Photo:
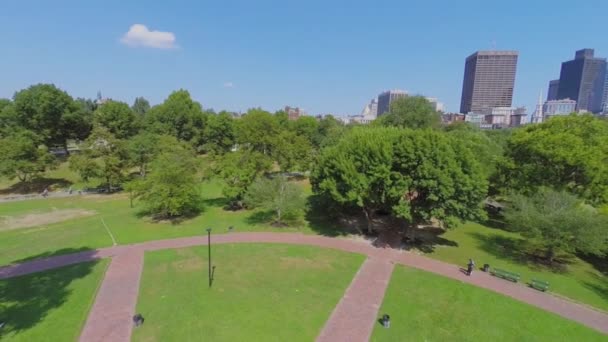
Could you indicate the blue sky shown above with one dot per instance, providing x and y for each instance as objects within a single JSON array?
[{"x": 324, "y": 56}]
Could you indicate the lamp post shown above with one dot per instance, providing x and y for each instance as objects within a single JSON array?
[{"x": 209, "y": 249}]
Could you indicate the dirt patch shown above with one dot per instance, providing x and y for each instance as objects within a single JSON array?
[
  {"x": 302, "y": 263},
  {"x": 38, "y": 219}
]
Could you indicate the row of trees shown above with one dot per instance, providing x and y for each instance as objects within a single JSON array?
[{"x": 406, "y": 165}]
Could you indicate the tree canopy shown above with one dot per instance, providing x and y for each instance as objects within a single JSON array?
[
  {"x": 558, "y": 223},
  {"x": 23, "y": 157},
  {"x": 178, "y": 116},
  {"x": 140, "y": 106},
  {"x": 171, "y": 188},
  {"x": 284, "y": 199},
  {"x": 43, "y": 109},
  {"x": 417, "y": 176},
  {"x": 569, "y": 153},
  {"x": 257, "y": 130},
  {"x": 117, "y": 118},
  {"x": 411, "y": 112}
]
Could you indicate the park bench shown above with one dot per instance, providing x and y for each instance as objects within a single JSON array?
[
  {"x": 497, "y": 272},
  {"x": 540, "y": 285}
]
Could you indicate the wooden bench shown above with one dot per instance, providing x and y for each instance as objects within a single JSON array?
[
  {"x": 497, "y": 272},
  {"x": 540, "y": 285}
]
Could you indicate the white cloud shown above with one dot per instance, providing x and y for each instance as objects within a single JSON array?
[
  {"x": 140, "y": 36},
  {"x": 228, "y": 85}
]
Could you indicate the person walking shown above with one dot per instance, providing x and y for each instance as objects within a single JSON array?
[{"x": 470, "y": 267}]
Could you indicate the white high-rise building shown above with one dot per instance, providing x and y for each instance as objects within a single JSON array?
[
  {"x": 538, "y": 116},
  {"x": 438, "y": 106}
]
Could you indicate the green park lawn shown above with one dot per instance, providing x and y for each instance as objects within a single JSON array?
[
  {"x": 428, "y": 307},
  {"x": 580, "y": 280},
  {"x": 51, "y": 305},
  {"x": 261, "y": 292},
  {"x": 124, "y": 222}
]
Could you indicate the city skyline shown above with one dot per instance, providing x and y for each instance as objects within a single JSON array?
[{"x": 135, "y": 50}]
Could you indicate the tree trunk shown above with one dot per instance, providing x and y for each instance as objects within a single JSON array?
[
  {"x": 65, "y": 147},
  {"x": 550, "y": 255},
  {"x": 368, "y": 217}
]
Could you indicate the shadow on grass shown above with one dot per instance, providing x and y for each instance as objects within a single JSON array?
[
  {"x": 600, "y": 286},
  {"x": 218, "y": 202},
  {"x": 429, "y": 238},
  {"x": 321, "y": 218},
  {"x": 517, "y": 250},
  {"x": 26, "y": 300},
  {"x": 36, "y": 185},
  {"x": 57, "y": 252},
  {"x": 260, "y": 217}
]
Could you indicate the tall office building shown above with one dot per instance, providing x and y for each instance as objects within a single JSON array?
[
  {"x": 582, "y": 79},
  {"x": 606, "y": 93},
  {"x": 553, "y": 87},
  {"x": 489, "y": 79},
  {"x": 386, "y": 98}
]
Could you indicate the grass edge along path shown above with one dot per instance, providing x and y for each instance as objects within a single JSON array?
[
  {"x": 425, "y": 306},
  {"x": 49, "y": 305}
]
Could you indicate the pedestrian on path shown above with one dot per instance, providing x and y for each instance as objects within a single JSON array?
[{"x": 470, "y": 267}]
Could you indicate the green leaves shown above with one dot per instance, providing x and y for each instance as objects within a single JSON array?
[
  {"x": 413, "y": 112},
  {"x": 22, "y": 156},
  {"x": 558, "y": 222},
  {"x": 172, "y": 187},
  {"x": 569, "y": 153},
  {"x": 414, "y": 175},
  {"x": 117, "y": 118},
  {"x": 285, "y": 199}
]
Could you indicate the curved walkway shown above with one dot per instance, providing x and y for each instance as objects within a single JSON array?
[{"x": 576, "y": 312}]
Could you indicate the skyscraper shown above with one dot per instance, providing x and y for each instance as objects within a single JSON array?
[
  {"x": 582, "y": 79},
  {"x": 606, "y": 93},
  {"x": 386, "y": 98},
  {"x": 489, "y": 79},
  {"x": 553, "y": 87}
]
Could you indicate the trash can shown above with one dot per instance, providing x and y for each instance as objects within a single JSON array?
[
  {"x": 386, "y": 321},
  {"x": 486, "y": 267}
]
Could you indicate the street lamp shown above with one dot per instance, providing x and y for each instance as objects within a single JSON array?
[{"x": 209, "y": 249}]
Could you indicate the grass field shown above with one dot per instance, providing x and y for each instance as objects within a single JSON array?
[
  {"x": 261, "y": 292},
  {"x": 428, "y": 307},
  {"x": 579, "y": 281},
  {"x": 51, "y": 305},
  {"x": 123, "y": 222}
]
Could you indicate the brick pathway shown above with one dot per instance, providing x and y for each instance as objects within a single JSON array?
[
  {"x": 354, "y": 317},
  {"x": 110, "y": 318},
  {"x": 565, "y": 308}
]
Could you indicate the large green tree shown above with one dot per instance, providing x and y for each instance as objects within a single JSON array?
[
  {"x": 569, "y": 153},
  {"x": 102, "y": 155},
  {"x": 178, "y": 116},
  {"x": 437, "y": 179},
  {"x": 140, "y": 106},
  {"x": 284, "y": 199},
  {"x": 558, "y": 223},
  {"x": 117, "y": 118},
  {"x": 411, "y": 112},
  {"x": 171, "y": 189},
  {"x": 418, "y": 176},
  {"x": 257, "y": 130},
  {"x": 44, "y": 109},
  {"x": 328, "y": 132},
  {"x": 238, "y": 170},
  {"x": 23, "y": 157},
  {"x": 356, "y": 172},
  {"x": 293, "y": 152},
  {"x": 219, "y": 134}
]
